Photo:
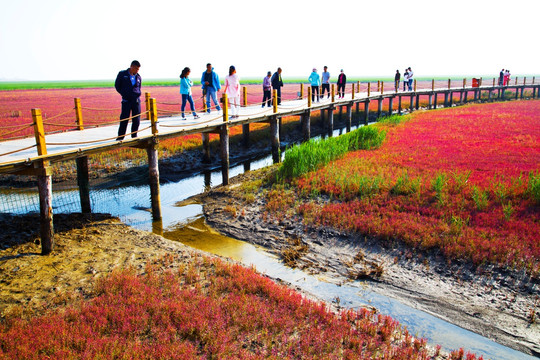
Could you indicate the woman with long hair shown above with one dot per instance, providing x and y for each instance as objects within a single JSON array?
[
  {"x": 232, "y": 89},
  {"x": 185, "y": 91}
]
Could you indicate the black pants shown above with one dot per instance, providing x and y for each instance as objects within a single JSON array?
[
  {"x": 132, "y": 107},
  {"x": 278, "y": 91},
  {"x": 314, "y": 89},
  {"x": 267, "y": 97},
  {"x": 341, "y": 90},
  {"x": 325, "y": 87}
]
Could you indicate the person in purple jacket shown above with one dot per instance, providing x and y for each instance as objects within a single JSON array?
[
  {"x": 267, "y": 90},
  {"x": 128, "y": 84}
]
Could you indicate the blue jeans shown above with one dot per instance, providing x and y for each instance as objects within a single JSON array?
[
  {"x": 410, "y": 84},
  {"x": 186, "y": 97},
  {"x": 211, "y": 92}
]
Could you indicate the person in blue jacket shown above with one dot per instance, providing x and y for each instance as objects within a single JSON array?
[
  {"x": 128, "y": 84},
  {"x": 185, "y": 91},
  {"x": 315, "y": 81},
  {"x": 210, "y": 86}
]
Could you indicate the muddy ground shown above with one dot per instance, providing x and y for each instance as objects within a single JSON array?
[{"x": 493, "y": 302}]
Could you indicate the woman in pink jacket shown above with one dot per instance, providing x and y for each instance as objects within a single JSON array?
[{"x": 232, "y": 89}]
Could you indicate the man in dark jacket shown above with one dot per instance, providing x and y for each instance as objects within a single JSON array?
[
  {"x": 341, "y": 82},
  {"x": 128, "y": 84},
  {"x": 277, "y": 83}
]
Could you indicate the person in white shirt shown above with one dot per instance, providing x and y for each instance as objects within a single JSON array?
[
  {"x": 411, "y": 74},
  {"x": 232, "y": 89},
  {"x": 405, "y": 79}
]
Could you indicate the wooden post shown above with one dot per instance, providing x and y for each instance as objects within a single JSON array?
[
  {"x": 414, "y": 85},
  {"x": 274, "y": 133},
  {"x": 274, "y": 102},
  {"x": 524, "y": 80},
  {"x": 245, "y": 127},
  {"x": 44, "y": 187},
  {"x": 465, "y": 96},
  {"x": 378, "y": 85},
  {"x": 446, "y": 99},
  {"x": 432, "y": 84},
  {"x": 352, "y": 93},
  {"x": 417, "y": 105},
  {"x": 366, "y": 110},
  {"x": 244, "y": 93},
  {"x": 153, "y": 174},
  {"x": 382, "y": 87},
  {"x": 516, "y": 80},
  {"x": 464, "y": 83},
  {"x": 358, "y": 86},
  {"x": 489, "y": 95},
  {"x": 435, "y": 100},
  {"x": 205, "y": 107},
  {"x": 153, "y": 116},
  {"x": 461, "y": 96},
  {"x": 451, "y": 98},
  {"x": 83, "y": 183},
  {"x": 306, "y": 125},
  {"x": 330, "y": 123},
  {"x": 480, "y": 82},
  {"x": 147, "y": 104},
  {"x": 349, "y": 116},
  {"x": 78, "y": 114},
  {"x": 301, "y": 91},
  {"x": 224, "y": 147},
  {"x": 517, "y": 91},
  {"x": 333, "y": 93},
  {"x": 493, "y": 82},
  {"x": 226, "y": 109},
  {"x": 379, "y": 106},
  {"x": 308, "y": 96},
  {"x": 411, "y": 104},
  {"x": 368, "y": 88},
  {"x": 449, "y": 83},
  {"x": 390, "y": 105},
  {"x": 399, "y": 105},
  {"x": 206, "y": 147},
  {"x": 430, "y": 101}
]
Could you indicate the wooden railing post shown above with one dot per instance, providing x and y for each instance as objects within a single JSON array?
[
  {"x": 382, "y": 87},
  {"x": 333, "y": 93},
  {"x": 378, "y": 85},
  {"x": 274, "y": 103},
  {"x": 480, "y": 82},
  {"x": 516, "y": 80},
  {"x": 493, "y": 82},
  {"x": 432, "y": 84},
  {"x": 308, "y": 96},
  {"x": 147, "y": 103},
  {"x": 78, "y": 114},
  {"x": 352, "y": 92},
  {"x": 153, "y": 115},
  {"x": 245, "y": 127},
  {"x": 358, "y": 86},
  {"x": 44, "y": 187},
  {"x": 449, "y": 83},
  {"x": 464, "y": 83},
  {"x": 225, "y": 108},
  {"x": 301, "y": 91},
  {"x": 414, "y": 85},
  {"x": 368, "y": 88},
  {"x": 244, "y": 93},
  {"x": 524, "y": 80}
]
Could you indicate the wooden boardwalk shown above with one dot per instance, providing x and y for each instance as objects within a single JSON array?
[{"x": 33, "y": 156}]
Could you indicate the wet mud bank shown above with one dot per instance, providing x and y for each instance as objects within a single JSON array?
[{"x": 499, "y": 304}]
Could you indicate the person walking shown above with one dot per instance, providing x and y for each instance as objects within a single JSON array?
[
  {"x": 341, "y": 82},
  {"x": 267, "y": 90},
  {"x": 277, "y": 84},
  {"x": 128, "y": 84},
  {"x": 501, "y": 77},
  {"x": 325, "y": 82},
  {"x": 232, "y": 89},
  {"x": 210, "y": 86},
  {"x": 315, "y": 81},
  {"x": 185, "y": 91},
  {"x": 397, "y": 78},
  {"x": 506, "y": 80},
  {"x": 411, "y": 78},
  {"x": 405, "y": 79}
]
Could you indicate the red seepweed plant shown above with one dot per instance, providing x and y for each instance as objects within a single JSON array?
[{"x": 460, "y": 180}]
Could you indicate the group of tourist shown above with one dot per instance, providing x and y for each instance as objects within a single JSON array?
[
  {"x": 504, "y": 77},
  {"x": 408, "y": 79},
  {"x": 323, "y": 81}
]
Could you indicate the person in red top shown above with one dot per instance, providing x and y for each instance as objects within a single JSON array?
[{"x": 341, "y": 81}]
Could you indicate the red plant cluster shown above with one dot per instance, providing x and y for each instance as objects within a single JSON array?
[
  {"x": 206, "y": 310},
  {"x": 454, "y": 179}
]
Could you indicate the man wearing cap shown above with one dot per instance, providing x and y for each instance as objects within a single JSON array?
[
  {"x": 267, "y": 90},
  {"x": 341, "y": 81},
  {"x": 325, "y": 82},
  {"x": 315, "y": 81},
  {"x": 128, "y": 84}
]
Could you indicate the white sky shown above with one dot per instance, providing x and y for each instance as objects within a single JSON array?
[{"x": 94, "y": 39}]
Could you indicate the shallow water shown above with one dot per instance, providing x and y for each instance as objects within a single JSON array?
[{"x": 185, "y": 223}]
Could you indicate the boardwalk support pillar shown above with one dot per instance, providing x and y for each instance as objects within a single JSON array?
[
  {"x": 349, "y": 117},
  {"x": 399, "y": 105},
  {"x": 379, "y": 106},
  {"x": 274, "y": 132},
  {"x": 224, "y": 140},
  {"x": 83, "y": 183},
  {"x": 330, "y": 123},
  {"x": 245, "y": 127},
  {"x": 430, "y": 101},
  {"x": 366, "y": 112},
  {"x": 411, "y": 105},
  {"x": 44, "y": 187},
  {"x": 390, "y": 105},
  {"x": 153, "y": 163},
  {"x": 306, "y": 125},
  {"x": 206, "y": 147}
]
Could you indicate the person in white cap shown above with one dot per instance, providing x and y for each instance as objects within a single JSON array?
[
  {"x": 315, "y": 81},
  {"x": 341, "y": 81}
]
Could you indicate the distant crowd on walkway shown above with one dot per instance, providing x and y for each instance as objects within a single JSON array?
[{"x": 128, "y": 85}]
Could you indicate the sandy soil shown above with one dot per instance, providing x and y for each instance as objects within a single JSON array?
[{"x": 492, "y": 302}]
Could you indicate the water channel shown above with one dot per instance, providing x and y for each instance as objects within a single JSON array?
[{"x": 185, "y": 223}]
